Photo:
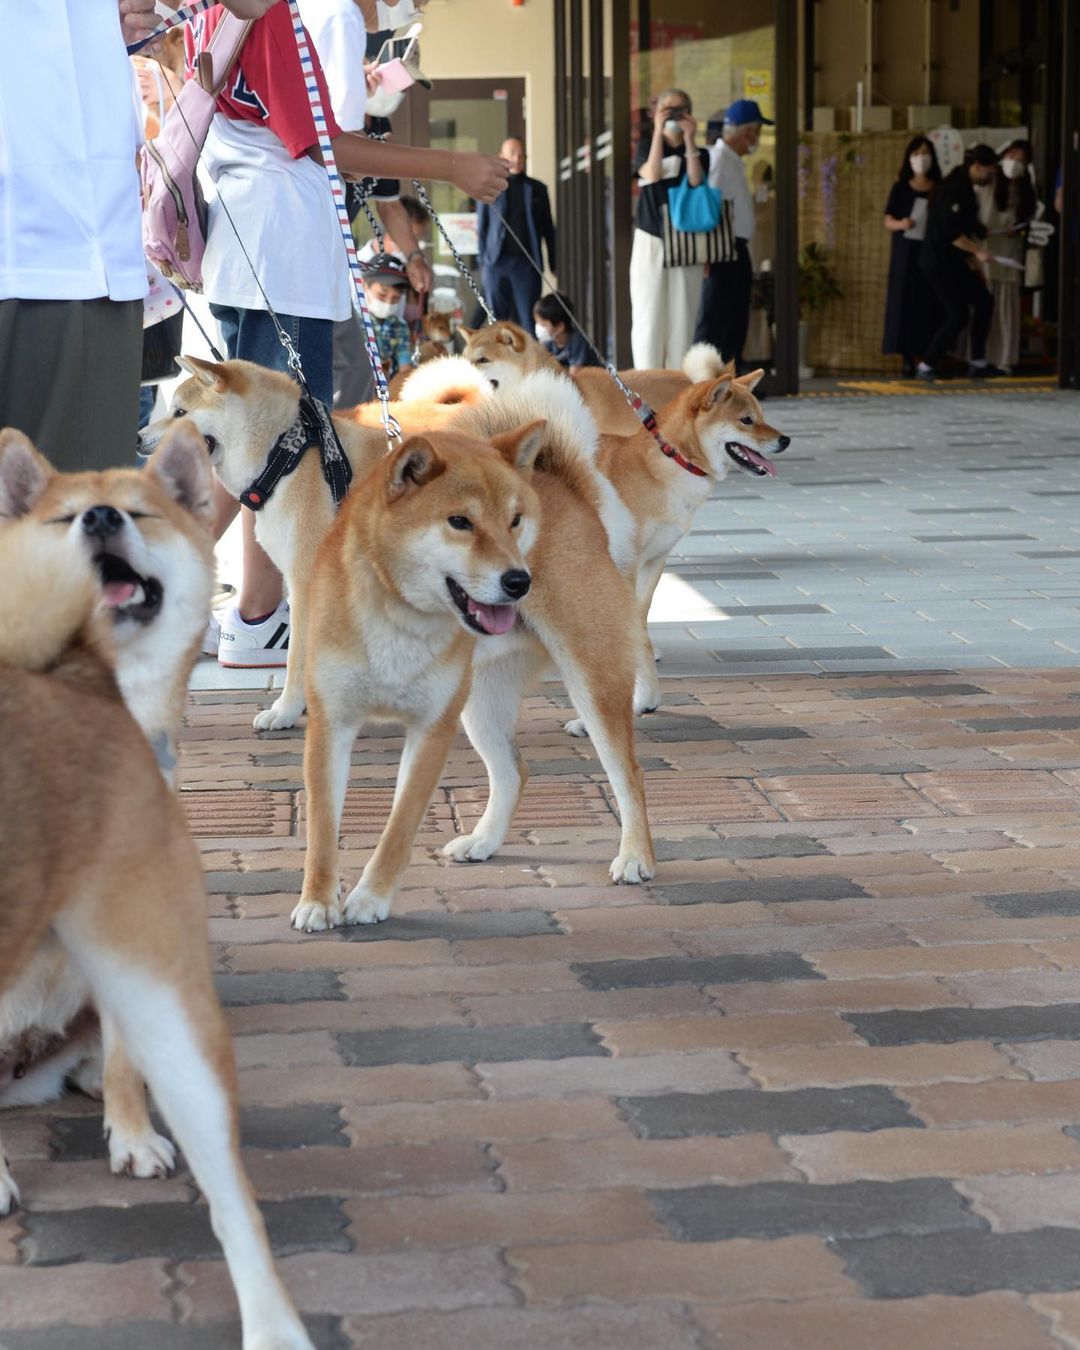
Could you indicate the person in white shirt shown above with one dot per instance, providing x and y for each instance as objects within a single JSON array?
[
  {"x": 72, "y": 275},
  {"x": 724, "y": 310}
]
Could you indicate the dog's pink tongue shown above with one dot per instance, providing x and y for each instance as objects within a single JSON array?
[
  {"x": 118, "y": 592},
  {"x": 760, "y": 461},
  {"x": 492, "y": 618}
]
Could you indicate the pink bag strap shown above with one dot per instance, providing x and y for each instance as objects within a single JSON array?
[{"x": 222, "y": 52}]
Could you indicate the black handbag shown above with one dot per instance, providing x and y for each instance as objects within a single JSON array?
[{"x": 160, "y": 348}]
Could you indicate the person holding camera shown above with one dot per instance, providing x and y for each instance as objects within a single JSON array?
[{"x": 664, "y": 296}]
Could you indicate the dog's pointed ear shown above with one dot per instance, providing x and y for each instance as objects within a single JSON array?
[
  {"x": 717, "y": 391},
  {"x": 751, "y": 381},
  {"x": 214, "y": 374},
  {"x": 416, "y": 463},
  {"x": 181, "y": 465},
  {"x": 467, "y": 333},
  {"x": 521, "y": 446},
  {"x": 25, "y": 473}
]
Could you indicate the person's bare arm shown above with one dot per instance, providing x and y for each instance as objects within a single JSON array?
[
  {"x": 695, "y": 174},
  {"x": 396, "y": 222},
  {"x": 480, "y": 176},
  {"x": 896, "y": 224},
  {"x": 651, "y": 171},
  {"x": 975, "y": 247}
]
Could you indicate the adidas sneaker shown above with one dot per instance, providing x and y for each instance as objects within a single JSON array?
[{"x": 254, "y": 645}]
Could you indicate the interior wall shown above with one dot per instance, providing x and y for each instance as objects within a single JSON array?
[
  {"x": 491, "y": 38},
  {"x": 899, "y": 47}
]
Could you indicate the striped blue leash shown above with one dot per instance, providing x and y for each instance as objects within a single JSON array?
[{"x": 337, "y": 189}]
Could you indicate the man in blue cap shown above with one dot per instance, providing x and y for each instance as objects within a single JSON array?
[{"x": 724, "y": 311}]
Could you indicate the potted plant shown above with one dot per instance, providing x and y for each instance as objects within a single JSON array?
[{"x": 817, "y": 287}]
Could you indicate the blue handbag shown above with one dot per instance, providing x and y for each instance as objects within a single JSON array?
[{"x": 694, "y": 210}]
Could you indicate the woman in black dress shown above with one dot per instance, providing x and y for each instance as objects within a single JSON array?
[{"x": 911, "y": 308}]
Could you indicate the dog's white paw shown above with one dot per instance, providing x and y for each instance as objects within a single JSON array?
[
  {"x": 313, "y": 916},
  {"x": 141, "y": 1155},
  {"x": 630, "y": 870},
  {"x": 278, "y": 717},
  {"x": 364, "y": 907},
  {"x": 87, "y": 1077},
  {"x": 9, "y": 1192},
  {"x": 647, "y": 703},
  {"x": 576, "y": 727},
  {"x": 475, "y": 847},
  {"x": 657, "y": 654}
]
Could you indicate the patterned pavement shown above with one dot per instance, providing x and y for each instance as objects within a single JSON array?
[{"x": 816, "y": 1086}]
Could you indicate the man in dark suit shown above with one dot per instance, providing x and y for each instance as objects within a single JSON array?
[{"x": 512, "y": 286}]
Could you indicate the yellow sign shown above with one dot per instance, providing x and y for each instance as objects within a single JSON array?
[{"x": 757, "y": 83}]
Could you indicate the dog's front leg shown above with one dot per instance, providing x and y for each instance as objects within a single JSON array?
[
  {"x": 178, "y": 1039},
  {"x": 422, "y": 763},
  {"x": 490, "y": 719},
  {"x": 135, "y": 1147},
  {"x": 327, "y": 753},
  {"x": 287, "y": 709}
]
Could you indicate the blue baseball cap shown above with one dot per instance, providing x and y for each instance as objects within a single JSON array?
[{"x": 744, "y": 111}]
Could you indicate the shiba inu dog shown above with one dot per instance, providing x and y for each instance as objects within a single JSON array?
[
  {"x": 427, "y": 556},
  {"x": 146, "y": 533},
  {"x": 580, "y": 612},
  {"x": 504, "y": 353},
  {"x": 707, "y": 427},
  {"x": 99, "y": 862},
  {"x": 242, "y": 410}
]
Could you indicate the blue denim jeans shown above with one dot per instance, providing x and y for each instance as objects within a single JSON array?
[{"x": 250, "y": 335}]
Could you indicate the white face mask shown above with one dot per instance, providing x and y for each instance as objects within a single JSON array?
[
  {"x": 382, "y": 309},
  {"x": 543, "y": 333},
  {"x": 1013, "y": 168},
  {"x": 920, "y": 164},
  {"x": 397, "y": 16}
]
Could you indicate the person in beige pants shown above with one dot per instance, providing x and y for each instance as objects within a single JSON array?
[{"x": 664, "y": 300}]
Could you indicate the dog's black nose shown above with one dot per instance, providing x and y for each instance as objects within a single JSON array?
[
  {"x": 102, "y": 521},
  {"x": 516, "y": 582},
  {"x": 783, "y": 442}
]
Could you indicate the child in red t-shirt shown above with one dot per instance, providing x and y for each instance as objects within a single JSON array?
[{"x": 274, "y": 238}]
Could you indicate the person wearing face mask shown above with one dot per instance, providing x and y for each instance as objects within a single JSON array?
[
  {"x": 952, "y": 245},
  {"x": 1006, "y": 206},
  {"x": 724, "y": 311},
  {"x": 555, "y": 331},
  {"x": 511, "y": 281},
  {"x": 385, "y": 284},
  {"x": 664, "y": 300},
  {"x": 912, "y": 313}
]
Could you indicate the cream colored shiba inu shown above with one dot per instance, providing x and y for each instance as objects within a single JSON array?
[
  {"x": 146, "y": 532},
  {"x": 504, "y": 354},
  {"x": 242, "y": 409},
  {"x": 98, "y": 862}
]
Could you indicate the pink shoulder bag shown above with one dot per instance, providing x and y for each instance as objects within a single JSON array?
[{"x": 174, "y": 210}]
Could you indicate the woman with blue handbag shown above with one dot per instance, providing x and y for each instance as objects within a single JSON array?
[{"x": 666, "y": 261}]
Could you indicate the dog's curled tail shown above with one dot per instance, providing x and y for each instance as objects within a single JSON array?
[
  {"x": 445, "y": 379},
  {"x": 704, "y": 362},
  {"x": 50, "y": 596}
]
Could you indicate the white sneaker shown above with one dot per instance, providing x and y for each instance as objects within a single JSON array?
[
  {"x": 254, "y": 644},
  {"x": 211, "y": 638}
]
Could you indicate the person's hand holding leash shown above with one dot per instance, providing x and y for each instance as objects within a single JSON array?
[
  {"x": 483, "y": 177},
  {"x": 138, "y": 19},
  {"x": 421, "y": 277}
]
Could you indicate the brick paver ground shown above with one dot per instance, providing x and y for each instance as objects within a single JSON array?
[{"x": 816, "y": 1086}]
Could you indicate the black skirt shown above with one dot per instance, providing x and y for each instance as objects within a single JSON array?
[{"x": 912, "y": 312}]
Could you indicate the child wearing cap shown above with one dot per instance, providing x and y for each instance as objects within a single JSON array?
[{"x": 385, "y": 285}]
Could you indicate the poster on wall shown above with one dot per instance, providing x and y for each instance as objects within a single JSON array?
[{"x": 461, "y": 228}]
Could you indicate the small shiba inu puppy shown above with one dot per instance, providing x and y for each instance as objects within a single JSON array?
[
  {"x": 99, "y": 862},
  {"x": 147, "y": 537}
]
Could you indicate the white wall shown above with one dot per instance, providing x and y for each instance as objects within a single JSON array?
[{"x": 491, "y": 39}]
